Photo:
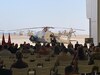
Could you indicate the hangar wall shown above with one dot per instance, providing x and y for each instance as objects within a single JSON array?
[
  {"x": 92, "y": 15},
  {"x": 98, "y": 19}
]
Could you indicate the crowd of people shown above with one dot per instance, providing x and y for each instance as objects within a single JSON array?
[{"x": 77, "y": 52}]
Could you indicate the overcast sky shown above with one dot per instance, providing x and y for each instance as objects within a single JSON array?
[{"x": 16, "y": 14}]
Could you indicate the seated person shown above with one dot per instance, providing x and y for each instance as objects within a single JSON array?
[
  {"x": 62, "y": 57},
  {"x": 96, "y": 53},
  {"x": 5, "y": 52},
  {"x": 69, "y": 70},
  {"x": 44, "y": 50},
  {"x": 1, "y": 63},
  {"x": 4, "y": 71},
  {"x": 19, "y": 63},
  {"x": 95, "y": 70}
]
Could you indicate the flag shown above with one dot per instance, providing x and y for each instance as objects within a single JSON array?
[
  {"x": 3, "y": 40},
  {"x": 9, "y": 39}
]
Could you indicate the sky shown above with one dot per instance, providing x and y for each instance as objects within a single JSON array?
[{"x": 17, "y": 14}]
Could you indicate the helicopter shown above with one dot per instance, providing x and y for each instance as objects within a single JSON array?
[
  {"x": 45, "y": 35},
  {"x": 42, "y": 36},
  {"x": 66, "y": 35}
]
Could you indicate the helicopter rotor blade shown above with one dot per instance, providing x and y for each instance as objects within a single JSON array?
[
  {"x": 69, "y": 28},
  {"x": 31, "y": 28}
]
